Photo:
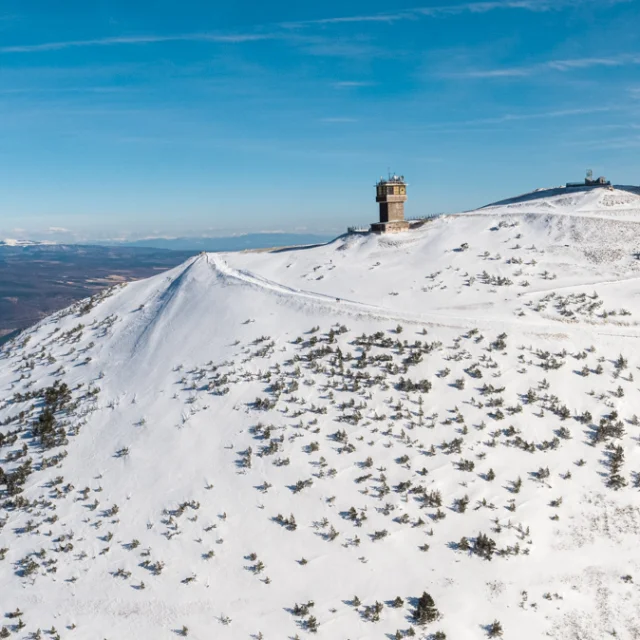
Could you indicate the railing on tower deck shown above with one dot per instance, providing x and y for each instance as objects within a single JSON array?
[
  {"x": 418, "y": 219},
  {"x": 429, "y": 216}
]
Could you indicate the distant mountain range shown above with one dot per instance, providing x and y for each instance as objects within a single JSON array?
[
  {"x": 228, "y": 243},
  {"x": 224, "y": 243},
  {"x": 10, "y": 242}
]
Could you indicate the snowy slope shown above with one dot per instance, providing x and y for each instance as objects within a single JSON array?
[
  {"x": 211, "y": 403},
  {"x": 615, "y": 202},
  {"x": 427, "y": 272}
]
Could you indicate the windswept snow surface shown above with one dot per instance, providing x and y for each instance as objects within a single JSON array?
[
  {"x": 445, "y": 410},
  {"x": 617, "y": 202}
]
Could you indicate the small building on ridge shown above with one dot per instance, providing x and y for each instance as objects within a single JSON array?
[{"x": 590, "y": 181}]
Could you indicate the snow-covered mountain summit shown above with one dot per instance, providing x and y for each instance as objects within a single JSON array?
[
  {"x": 618, "y": 201},
  {"x": 304, "y": 442}
]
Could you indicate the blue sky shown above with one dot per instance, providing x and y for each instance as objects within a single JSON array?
[{"x": 122, "y": 118}]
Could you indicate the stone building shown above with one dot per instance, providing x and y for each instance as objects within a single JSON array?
[
  {"x": 590, "y": 181},
  {"x": 391, "y": 194}
]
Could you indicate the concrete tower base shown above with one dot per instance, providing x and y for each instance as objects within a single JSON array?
[{"x": 390, "y": 227}]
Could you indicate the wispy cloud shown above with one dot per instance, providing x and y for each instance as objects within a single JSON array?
[
  {"x": 513, "y": 72},
  {"x": 338, "y": 120},
  {"x": 352, "y": 84},
  {"x": 279, "y": 30},
  {"x": 236, "y": 38},
  {"x": 544, "y": 115},
  {"x": 457, "y": 9},
  {"x": 561, "y": 65},
  {"x": 338, "y": 47},
  {"x": 626, "y": 142},
  {"x": 520, "y": 117},
  {"x": 59, "y": 90}
]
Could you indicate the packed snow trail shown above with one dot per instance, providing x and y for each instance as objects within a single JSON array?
[{"x": 352, "y": 307}]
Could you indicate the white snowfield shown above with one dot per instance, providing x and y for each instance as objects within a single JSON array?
[
  {"x": 10, "y": 242},
  {"x": 300, "y": 443}
]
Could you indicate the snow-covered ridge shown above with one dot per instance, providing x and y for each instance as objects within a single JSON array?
[
  {"x": 618, "y": 201},
  {"x": 10, "y": 242},
  {"x": 303, "y": 442}
]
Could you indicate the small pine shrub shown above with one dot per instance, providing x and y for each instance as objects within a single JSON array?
[
  {"x": 495, "y": 630},
  {"x": 425, "y": 610}
]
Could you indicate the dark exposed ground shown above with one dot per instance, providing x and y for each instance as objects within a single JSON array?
[{"x": 38, "y": 280}]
